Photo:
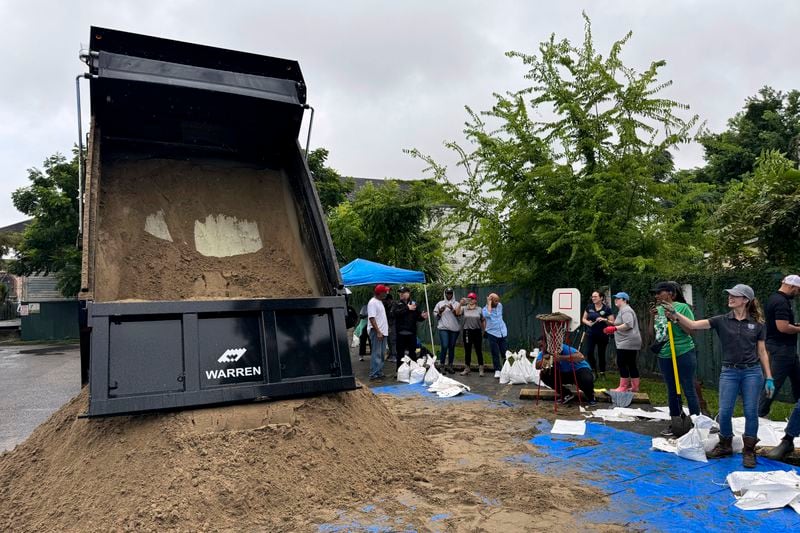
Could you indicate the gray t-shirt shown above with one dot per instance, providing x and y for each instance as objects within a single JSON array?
[
  {"x": 446, "y": 317},
  {"x": 472, "y": 317},
  {"x": 630, "y": 339}
]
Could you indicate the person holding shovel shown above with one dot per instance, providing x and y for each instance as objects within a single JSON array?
[
  {"x": 685, "y": 355},
  {"x": 745, "y": 362}
]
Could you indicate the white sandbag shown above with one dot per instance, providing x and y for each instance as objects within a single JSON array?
[
  {"x": 404, "y": 372},
  {"x": 528, "y": 369},
  {"x": 711, "y": 442},
  {"x": 765, "y": 490},
  {"x": 417, "y": 375},
  {"x": 516, "y": 375},
  {"x": 703, "y": 422},
  {"x": 505, "y": 372},
  {"x": 690, "y": 446},
  {"x": 450, "y": 392},
  {"x": 444, "y": 383},
  {"x": 432, "y": 374}
]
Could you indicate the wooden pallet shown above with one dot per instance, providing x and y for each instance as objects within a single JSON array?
[{"x": 549, "y": 394}]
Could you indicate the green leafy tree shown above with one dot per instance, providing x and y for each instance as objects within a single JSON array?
[
  {"x": 332, "y": 188},
  {"x": 392, "y": 225},
  {"x": 770, "y": 120},
  {"x": 757, "y": 222},
  {"x": 8, "y": 241},
  {"x": 575, "y": 170},
  {"x": 49, "y": 243}
]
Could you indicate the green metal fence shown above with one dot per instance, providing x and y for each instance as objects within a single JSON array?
[
  {"x": 520, "y": 308},
  {"x": 8, "y": 310}
]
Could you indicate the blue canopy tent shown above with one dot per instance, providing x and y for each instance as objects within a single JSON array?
[{"x": 363, "y": 272}]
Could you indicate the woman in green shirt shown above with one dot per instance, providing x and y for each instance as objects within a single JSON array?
[{"x": 685, "y": 353}]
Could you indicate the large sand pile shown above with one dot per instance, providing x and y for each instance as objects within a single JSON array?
[
  {"x": 181, "y": 230},
  {"x": 265, "y": 466}
]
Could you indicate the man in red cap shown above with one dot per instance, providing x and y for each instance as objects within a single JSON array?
[{"x": 378, "y": 330}]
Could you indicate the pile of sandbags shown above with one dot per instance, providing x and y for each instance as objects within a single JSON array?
[
  {"x": 423, "y": 370},
  {"x": 519, "y": 370}
]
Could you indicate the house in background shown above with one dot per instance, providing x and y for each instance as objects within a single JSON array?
[
  {"x": 35, "y": 305},
  {"x": 457, "y": 257}
]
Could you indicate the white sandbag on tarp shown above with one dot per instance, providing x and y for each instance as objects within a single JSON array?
[
  {"x": 432, "y": 374},
  {"x": 569, "y": 427},
  {"x": 445, "y": 383},
  {"x": 417, "y": 374},
  {"x": 765, "y": 490},
  {"x": 505, "y": 372},
  {"x": 690, "y": 446},
  {"x": 404, "y": 372}
]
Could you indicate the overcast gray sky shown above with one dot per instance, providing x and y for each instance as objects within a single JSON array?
[{"x": 384, "y": 76}]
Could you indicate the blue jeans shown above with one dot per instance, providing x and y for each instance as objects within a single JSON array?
[
  {"x": 747, "y": 381},
  {"x": 498, "y": 347},
  {"x": 793, "y": 427},
  {"x": 784, "y": 364},
  {"x": 447, "y": 340},
  {"x": 378, "y": 348},
  {"x": 687, "y": 364}
]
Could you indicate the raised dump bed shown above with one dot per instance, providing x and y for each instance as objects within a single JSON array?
[{"x": 208, "y": 273}]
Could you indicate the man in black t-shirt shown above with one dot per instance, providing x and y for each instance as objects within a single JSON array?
[
  {"x": 406, "y": 316},
  {"x": 782, "y": 340}
]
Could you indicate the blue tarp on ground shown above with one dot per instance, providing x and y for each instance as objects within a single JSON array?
[
  {"x": 653, "y": 491},
  {"x": 363, "y": 272}
]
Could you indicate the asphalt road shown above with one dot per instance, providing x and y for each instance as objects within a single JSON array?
[{"x": 34, "y": 382}]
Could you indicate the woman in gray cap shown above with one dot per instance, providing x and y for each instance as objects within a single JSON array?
[{"x": 745, "y": 362}]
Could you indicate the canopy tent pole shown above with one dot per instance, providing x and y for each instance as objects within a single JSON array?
[{"x": 430, "y": 324}]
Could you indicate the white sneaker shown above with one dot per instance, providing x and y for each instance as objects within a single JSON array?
[{"x": 496, "y": 373}]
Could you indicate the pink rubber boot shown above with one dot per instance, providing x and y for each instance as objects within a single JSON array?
[{"x": 624, "y": 385}]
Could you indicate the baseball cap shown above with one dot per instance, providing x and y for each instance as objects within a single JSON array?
[
  {"x": 663, "y": 286},
  {"x": 624, "y": 295},
  {"x": 472, "y": 295},
  {"x": 449, "y": 289},
  {"x": 403, "y": 289},
  {"x": 740, "y": 289},
  {"x": 380, "y": 289},
  {"x": 792, "y": 279}
]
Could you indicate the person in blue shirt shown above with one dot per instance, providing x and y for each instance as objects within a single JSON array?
[
  {"x": 568, "y": 359},
  {"x": 496, "y": 330}
]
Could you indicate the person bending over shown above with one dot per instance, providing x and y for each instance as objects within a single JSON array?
[{"x": 567, "y": 360}]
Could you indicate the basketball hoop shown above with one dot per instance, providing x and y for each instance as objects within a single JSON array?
[{"x": 555, "y": 327}]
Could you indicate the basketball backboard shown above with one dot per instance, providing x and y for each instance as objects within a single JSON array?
[{"x": 568, "y": 301}]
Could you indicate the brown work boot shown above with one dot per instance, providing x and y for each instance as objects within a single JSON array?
[
  {"x": 779, "y": 452},
  {"x": 749, "y": 452},
  {"x": 723, "y": 448}
]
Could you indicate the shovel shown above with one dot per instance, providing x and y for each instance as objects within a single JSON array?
[{"x": 680, "y": 424}]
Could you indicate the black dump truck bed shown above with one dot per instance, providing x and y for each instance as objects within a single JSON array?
[{"x": 208, "y": 272}]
